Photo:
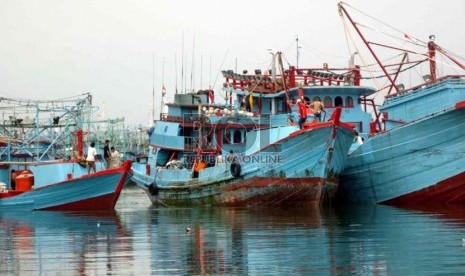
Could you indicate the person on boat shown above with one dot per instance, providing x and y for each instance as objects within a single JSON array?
[
  {"x": 302, "y": 113},
  {"x": 317, "y": 107},
  {"x": 91, "y": 153},
  {"x": 232, "y": 158},
  {"x": 107, "y": 154},
  {"x": 114, "y": 158},
  {"x": 244, "y": 103},
  {"x": 13, "y": 179}
]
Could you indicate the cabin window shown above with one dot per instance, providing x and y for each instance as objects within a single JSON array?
[
  {"x": 237, "y": 136},
  {"x": 349, "y": 101},
  {"x": 328, "y": 102},
  {"x": 166, "y": 129},
  {"x": 338, "y": 101}
]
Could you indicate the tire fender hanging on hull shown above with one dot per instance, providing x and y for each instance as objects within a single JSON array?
[
  {"x": 235, "y": 169},
  {"x": 153, "y": 189}
]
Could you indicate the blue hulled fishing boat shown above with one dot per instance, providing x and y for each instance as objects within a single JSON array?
[
  {"x": 416, "y": 152},
  {"x": 251, "y": 150},
  {"x": 41, "y": 165}
]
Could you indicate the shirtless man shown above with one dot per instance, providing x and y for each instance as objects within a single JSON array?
[{"x": 317, "y": 107}]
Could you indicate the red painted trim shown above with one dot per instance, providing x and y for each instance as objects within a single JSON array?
[
  {"x": 10, "y": 193},
  {"x": 105, "y": 202},
  {"x": 450, "y": 191},
  {"x": 460, "y": 105}
]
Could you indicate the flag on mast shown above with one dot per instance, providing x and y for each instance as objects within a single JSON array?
[
  {"x": 211, "y": 95},
  {"x": 163, "y": 91}
]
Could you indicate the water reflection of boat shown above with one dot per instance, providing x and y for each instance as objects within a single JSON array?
[
  {"x": 61, "y": 242},
  {"x": 223, "y": 240}
]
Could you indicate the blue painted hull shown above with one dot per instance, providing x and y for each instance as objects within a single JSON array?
[
  {"x": 303, "y": 168},
  {"x": 411, "y": 164},
  {"x": 98, "y": 191}
]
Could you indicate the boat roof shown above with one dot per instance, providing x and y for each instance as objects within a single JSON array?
[{"x": 317, "y": 90}]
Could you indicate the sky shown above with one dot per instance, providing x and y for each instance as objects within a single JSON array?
[{"x": 122, "y": 52}]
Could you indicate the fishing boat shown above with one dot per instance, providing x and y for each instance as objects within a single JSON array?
[
  {"x": 37, "y": 175},
  {"x": 250, "y": 150},
  {"x": 415, "y": 152}
]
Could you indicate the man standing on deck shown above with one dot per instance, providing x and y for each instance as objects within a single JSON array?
[
  {"x": 114, "y": 158},
  {"x": 91, "y": 153},
  {"x": 302, "y": 113},
  {"x": 317, "y": 107},
  {"x": 107, "y": 154}
]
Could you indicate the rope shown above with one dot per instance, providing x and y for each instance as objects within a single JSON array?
[
  {"x": 383, "y": 23},
  {"x": 358, "y": 50},
  {"x": 395, "y": 39}
]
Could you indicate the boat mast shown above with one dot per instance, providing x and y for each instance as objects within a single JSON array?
[
  {"x": 176, "y": 73},
  {"x": 153, "y": 87},
  {"x": 192, "y": 88},
  {"x": 182, "y": 64}
]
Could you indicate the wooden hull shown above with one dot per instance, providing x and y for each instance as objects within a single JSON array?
[
  {"x": 98, "y": 191},
  {"x": 305, "y": 170},
  {"x": 418, "y": 163},
  {"x": 250, "y": 192}
]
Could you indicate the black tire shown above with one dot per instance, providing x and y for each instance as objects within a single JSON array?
[
  {"x": 153, "y": 189},
  {"x": 235, "y": 169}
]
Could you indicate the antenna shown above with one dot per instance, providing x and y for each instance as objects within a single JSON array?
[
  {"x": 176, "y": 73},
  {"x": 210, "y": 73},
  {"x": 153, "y": 86},
  {"x": 297, "y": 52},
  {"x": 163, "y": 89},
  {"x": 193, "y": 62},
  {"x": 182, "y": 64},
  {"x": 201, "y": 70}
]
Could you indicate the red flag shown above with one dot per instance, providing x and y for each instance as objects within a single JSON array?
[
  {"x": 163, "y": 90},
  {"x": 211, "y": 95},
  {"x": 406, "y": 36}
]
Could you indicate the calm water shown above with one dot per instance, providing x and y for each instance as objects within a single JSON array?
[{"x": 138, "y": 239}]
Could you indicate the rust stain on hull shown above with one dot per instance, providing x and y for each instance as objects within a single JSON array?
[{"x": 253, "y": 191}]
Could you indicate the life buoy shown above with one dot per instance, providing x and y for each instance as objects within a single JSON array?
[
  {"x": 153, "y": 189},
  {"x": 235, "y": 169}
]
